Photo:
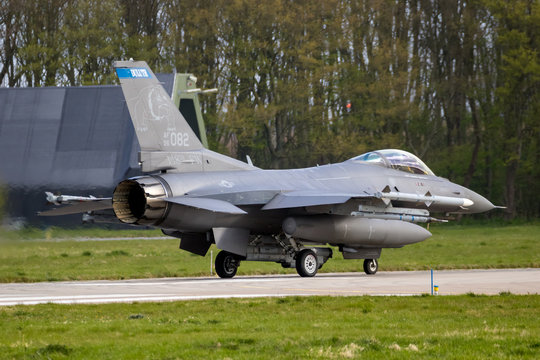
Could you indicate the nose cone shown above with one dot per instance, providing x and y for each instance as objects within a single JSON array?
[{"x": 480, "y": 203}]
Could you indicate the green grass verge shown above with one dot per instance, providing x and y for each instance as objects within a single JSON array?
[
  {"x": 451, "y": 247},
  {"x": 446, "y": 327},
  {"x": 54, "y": 233}
]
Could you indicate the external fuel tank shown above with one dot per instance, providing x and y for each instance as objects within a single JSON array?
[{"x": 355, "y": 231}]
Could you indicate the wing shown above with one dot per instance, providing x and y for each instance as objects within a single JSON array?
[
  {"x": 267, "y": 199},
  {"x": 309, "y": 198}
]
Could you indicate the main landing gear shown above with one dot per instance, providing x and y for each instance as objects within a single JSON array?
[
  {"x": 306, "y": 261},
  {"x": 227, "y": 264}
]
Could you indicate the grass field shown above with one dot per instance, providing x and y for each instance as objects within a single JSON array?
[
  {"x": 449, "y": 327},
  {"x": 37, "y": 255}
]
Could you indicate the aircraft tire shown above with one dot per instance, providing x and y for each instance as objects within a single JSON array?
[
  {"x": 371, "y": 266},
  {"x": 306, "y": 263},
  {"x": 226, "y": 264}
]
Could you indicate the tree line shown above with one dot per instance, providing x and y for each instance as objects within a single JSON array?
[{"x": 305, "y": 82}]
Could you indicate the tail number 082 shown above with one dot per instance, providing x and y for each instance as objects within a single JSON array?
[{"x": 179, "y": 139}]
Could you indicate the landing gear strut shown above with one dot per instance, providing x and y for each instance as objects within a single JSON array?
[
  {"x": 306, "y": 260},
  {"x": 227, "y": 264},
  {"x": 371, "y": 266}
]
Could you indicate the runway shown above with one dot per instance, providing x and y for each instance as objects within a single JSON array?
[{"x": 401, "y": 283}]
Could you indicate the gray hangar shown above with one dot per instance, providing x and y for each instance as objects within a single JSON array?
[{"x": 65, "y": 139}]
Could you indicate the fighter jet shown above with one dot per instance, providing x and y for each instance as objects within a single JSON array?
[{"x": 362, "y": 205}]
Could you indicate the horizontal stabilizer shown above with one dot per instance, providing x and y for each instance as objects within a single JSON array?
[
  {"x": 307, "y": 198},
  {"x": 207, "y": 204},
  {"x": 80, "y": 207}
]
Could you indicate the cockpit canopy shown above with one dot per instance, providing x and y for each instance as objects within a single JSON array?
[{"x": 395, "y": 159}]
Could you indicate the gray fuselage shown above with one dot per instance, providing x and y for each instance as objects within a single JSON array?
[{"x": 250, "y": 189}]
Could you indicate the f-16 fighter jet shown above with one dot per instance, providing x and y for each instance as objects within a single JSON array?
[{"x": 362, "y": 205}]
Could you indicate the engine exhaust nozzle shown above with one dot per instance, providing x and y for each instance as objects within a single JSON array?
[{"x": 140, "y": 201}]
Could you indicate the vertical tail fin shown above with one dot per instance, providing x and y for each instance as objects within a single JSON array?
[
  {"x": 167, "y": 141},
  {"x": 158, "y": 123}
]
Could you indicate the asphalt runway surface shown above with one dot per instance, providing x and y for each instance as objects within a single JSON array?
[{"x": 401, "y": 283}]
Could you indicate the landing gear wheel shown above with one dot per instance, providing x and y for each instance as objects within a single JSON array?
[
  {"x": 306, "y": 263},
  {"x": 371, "y": 266},
  {"x": 226, "y": 264}
]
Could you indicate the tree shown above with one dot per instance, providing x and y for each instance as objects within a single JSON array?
[
  {"x": 303, "y": 82},
  {"x": 91, "y": 41},
  {"x": 11, "y": 26},
  {"x": 518, "y": 91}
]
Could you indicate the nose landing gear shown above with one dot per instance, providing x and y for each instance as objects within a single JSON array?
[{"x": 371, "y": 266}]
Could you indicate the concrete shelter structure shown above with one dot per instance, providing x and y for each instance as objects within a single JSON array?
[{"x": 63, "y": 139}]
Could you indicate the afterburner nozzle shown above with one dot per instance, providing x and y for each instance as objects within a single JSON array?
[{"x": 140, "y": 201}]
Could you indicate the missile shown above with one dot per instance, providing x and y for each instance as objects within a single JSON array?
[
  {"x": 401, "y": 217},
  {"x": 386, "y": 195},
  {"x": 390, "y": 213},
  {"x": 354, "y": 230},
  {"x": 66, "y": 199}
]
